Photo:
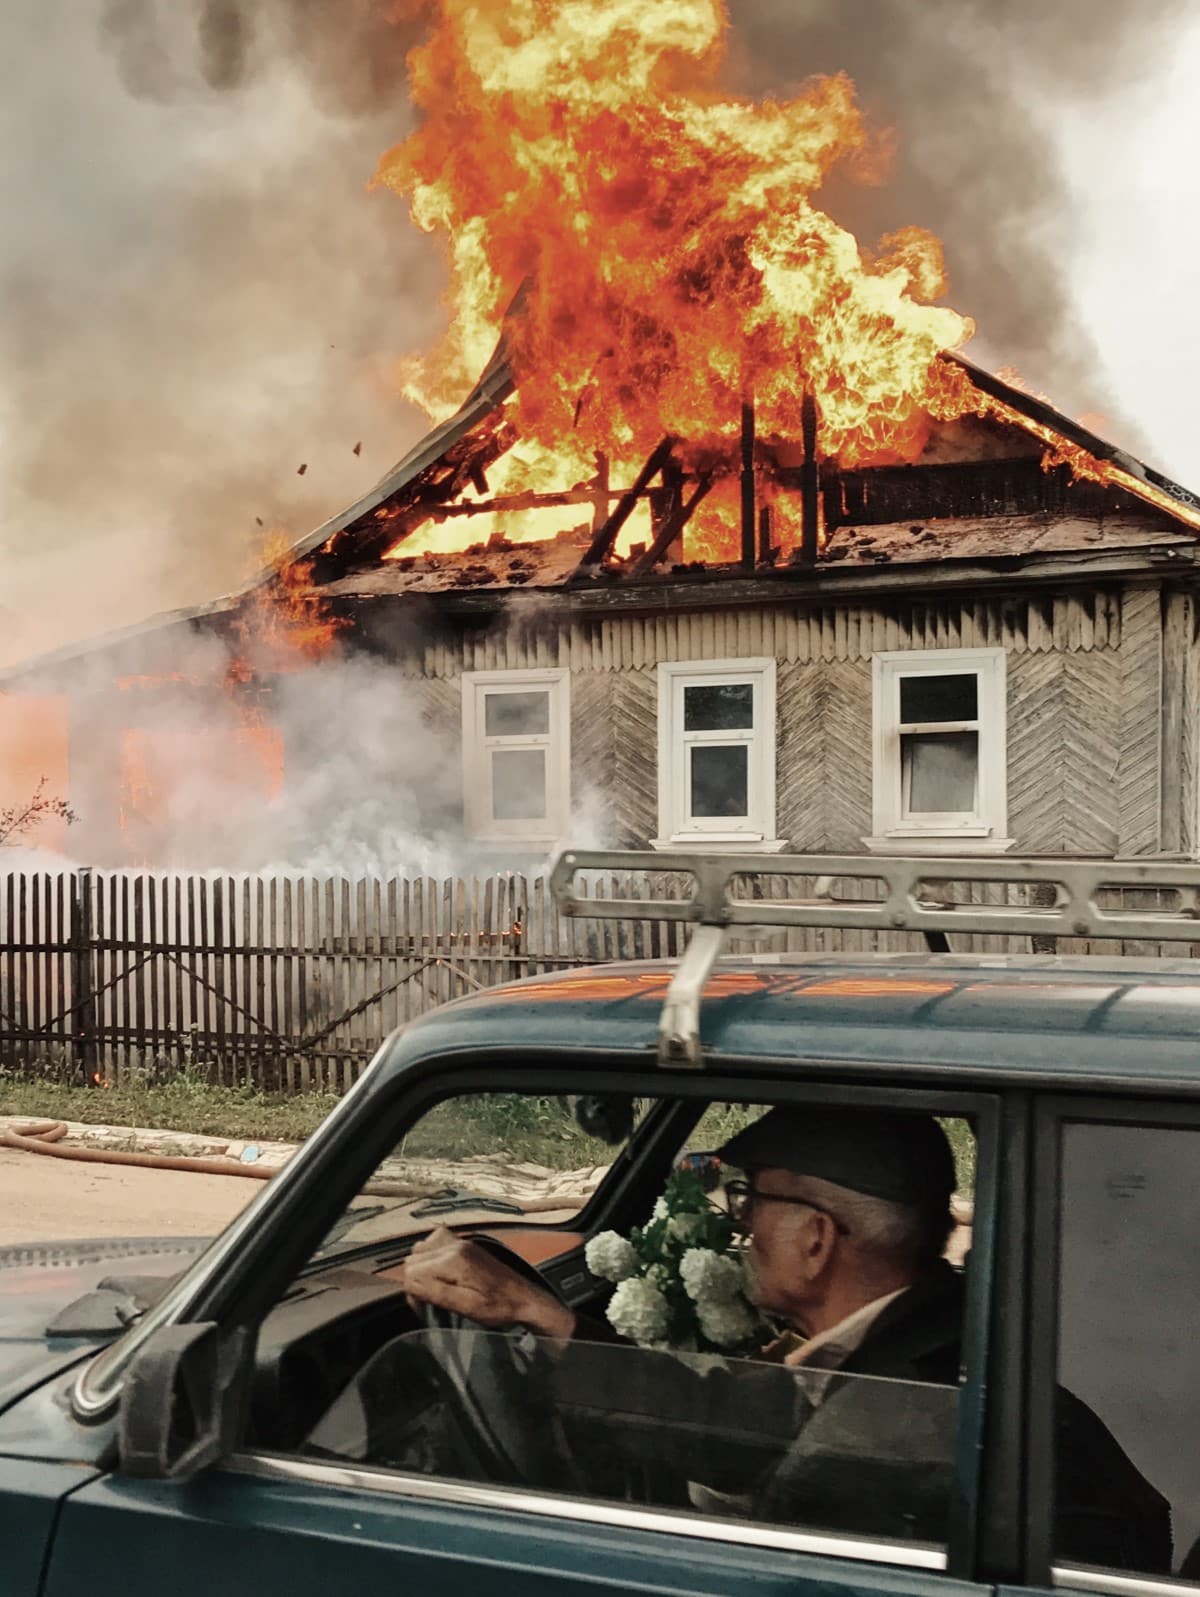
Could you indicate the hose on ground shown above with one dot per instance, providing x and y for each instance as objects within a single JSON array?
[{"x": 45, "y": 1136}]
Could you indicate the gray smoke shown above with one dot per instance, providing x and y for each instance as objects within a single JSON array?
[
  {"x": 972, "y": 89},
  {"x": 199, "y": 294}
]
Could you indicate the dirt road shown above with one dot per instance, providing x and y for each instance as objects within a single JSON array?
[{"x": 52, "y": 1199}]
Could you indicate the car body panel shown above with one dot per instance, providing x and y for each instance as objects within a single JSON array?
[
  {"x": 1088, "y": 1020},
  {"x": 30, "y": 1495},
  {"x": 239, "y": 1533}
]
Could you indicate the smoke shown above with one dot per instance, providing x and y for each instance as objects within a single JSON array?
[
  {"x": 972, "y": 91},
  {"x": 199, "y": 294}
]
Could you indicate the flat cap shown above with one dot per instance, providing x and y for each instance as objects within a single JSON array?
[{"x": 883, "y": 1153}]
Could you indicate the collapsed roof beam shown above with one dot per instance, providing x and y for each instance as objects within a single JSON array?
[
  {"x": 606, "y": 536},
  {"x": 671, "y": 528}
]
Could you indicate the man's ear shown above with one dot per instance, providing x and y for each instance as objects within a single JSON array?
[{"x": 821, "y": 1242}]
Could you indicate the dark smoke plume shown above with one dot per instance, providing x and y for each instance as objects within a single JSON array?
[{"x": 970, "y": 89}]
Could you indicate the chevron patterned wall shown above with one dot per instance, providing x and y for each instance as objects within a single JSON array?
[{"x": 1085, "y": 690}]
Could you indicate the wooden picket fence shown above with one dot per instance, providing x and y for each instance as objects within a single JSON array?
[
  {"x": 281, "y": 981},
  {"x": 292, "y": 983}
]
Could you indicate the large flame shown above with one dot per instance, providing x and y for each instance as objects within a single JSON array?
[{"x": 664, "y": 237}]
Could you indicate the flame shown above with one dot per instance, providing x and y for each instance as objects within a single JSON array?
[
  {"x": 669, "y": 253},
  {"x": 285, "y": 624}
]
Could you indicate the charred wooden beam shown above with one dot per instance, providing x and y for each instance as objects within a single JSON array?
[
  {"x": 600, "y": 492},
  {"x": 765, "y": 552},
  {"x": 810, "y": 500},
  {"x": 749, "y": 492},
  {"x": 671, "y": 528},
  {"x": 605, "y": 536},
  {"x": 529, "y": 499}
]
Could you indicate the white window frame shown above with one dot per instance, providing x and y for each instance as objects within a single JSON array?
[
  {"x": 676, "y": 828},
  {"x": 481, "y": 823},
  {"x": 979, "y": 831}
]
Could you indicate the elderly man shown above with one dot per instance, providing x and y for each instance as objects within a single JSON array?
[{"x": 848, "y": 1213}]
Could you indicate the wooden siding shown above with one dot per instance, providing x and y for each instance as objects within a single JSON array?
[
  {"x": 1091, "y": 716},
  {"x": 796, "y": 633}
]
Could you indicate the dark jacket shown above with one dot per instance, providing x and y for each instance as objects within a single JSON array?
[{"x": 864, "y": 1456}]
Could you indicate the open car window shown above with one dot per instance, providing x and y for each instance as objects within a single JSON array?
[{"x": 489, "y": 1157}]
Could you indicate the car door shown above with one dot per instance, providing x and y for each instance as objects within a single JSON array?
[
  {"x": 1114, "y": 1466},
  {"x": 304, "y": 1526}
]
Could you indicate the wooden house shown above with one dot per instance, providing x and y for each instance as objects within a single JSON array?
[{"x": 993, "y": 648}]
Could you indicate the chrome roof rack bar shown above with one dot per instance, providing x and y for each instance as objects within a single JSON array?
[{"x": 1043, "y": 898}]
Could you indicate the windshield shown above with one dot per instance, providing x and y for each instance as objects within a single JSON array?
[{"x": 489, "y": 1157}]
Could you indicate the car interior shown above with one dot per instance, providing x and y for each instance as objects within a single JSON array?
[{"x": 348, "y": 1370}]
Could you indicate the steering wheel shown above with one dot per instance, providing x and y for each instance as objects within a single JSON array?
[{"x": 495, "y": 1385}]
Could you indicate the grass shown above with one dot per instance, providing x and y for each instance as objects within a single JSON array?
[
  {"x": 510, "y": 1126},
  {"x": 181, "y": 1104}
]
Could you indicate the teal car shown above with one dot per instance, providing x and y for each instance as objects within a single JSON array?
[{"x": 283, "y": 1410}]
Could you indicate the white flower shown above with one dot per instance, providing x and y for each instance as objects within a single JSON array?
[
  {"x": 638, "y": 1310},
  {"x": 659, "y": 1275},
  {"x": 611, "y": 1257},
  {"x": 725, "y": 1321},
  {"x": 661, "y": 1211},
  {"x": 685, "y": 1226},
  {"x": 710, "y": 1276}
]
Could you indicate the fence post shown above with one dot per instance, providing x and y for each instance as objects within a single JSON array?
[{"x": 83, "y": 986}]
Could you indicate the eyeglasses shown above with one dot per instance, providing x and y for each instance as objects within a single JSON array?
[{"x": 742, "y": 1197}]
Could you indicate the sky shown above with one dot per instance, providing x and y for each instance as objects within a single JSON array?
[{"x": 199, "y": 296}]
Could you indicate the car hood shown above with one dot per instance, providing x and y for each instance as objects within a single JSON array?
[{"x": 56, "y": 1306}]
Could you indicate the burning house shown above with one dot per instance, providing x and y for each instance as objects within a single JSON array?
[{"x": 730, "y": 546}]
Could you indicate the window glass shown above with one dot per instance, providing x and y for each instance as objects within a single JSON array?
[
  {"x": 500, "y": 1156},
  {"x": 516, "y": 714},
  {"x": 718, "y": 707},
  {"x": 518, "y": 784},
  {"x": 939, "y": 698},
  {"x": 723, "y": 1407},
  {"x": 720, "y": 779},
  {"x": 1128, "y": 1467},
  {"x": 940, "y": 771}
]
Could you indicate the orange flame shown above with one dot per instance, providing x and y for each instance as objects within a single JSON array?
[
  {"x": 285, "y": 623},
  {"x": 665, "y": 239}
]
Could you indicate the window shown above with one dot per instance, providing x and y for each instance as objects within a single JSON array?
[
  {"x": 716, "y": 754},
  {"x": 516, "y": 755},
  {"x": 940, "y": 760},
  {"x": 1127, "y": 1466},
  {"x": 626, "y": 1376}
]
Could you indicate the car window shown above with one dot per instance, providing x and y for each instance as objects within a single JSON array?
[
  {"x": 856, "y": 1455},
  {"x": 786, "y": 1348},
  {"x": 1127, "y": 1465},
  {"x": 500, "y": 1156}
]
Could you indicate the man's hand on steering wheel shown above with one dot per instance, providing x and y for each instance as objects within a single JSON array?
[{"x": 454, "y": 1274}]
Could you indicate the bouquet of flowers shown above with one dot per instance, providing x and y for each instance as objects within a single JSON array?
[{"x": 680, "y": 1280}]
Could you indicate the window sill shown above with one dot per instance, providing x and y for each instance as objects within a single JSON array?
[
  {"x": 945, "y": 844},
  {"x": 721, "y": 843}
]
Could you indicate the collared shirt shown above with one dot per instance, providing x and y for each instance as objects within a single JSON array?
[{"x": 830, "y": 1348}]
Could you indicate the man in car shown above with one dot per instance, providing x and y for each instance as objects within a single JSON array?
[{"x": 848, "y": 1214}]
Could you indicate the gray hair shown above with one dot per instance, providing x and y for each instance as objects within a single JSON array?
[{"x": 896, "y": 1233}]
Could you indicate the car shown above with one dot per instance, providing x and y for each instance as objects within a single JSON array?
[{"x": 279, "y": 1410}]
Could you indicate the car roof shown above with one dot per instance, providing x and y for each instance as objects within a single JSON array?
[{"x": 1098, "y": 1021}]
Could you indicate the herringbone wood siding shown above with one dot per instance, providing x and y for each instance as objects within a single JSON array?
[
  {"x": 1084, "y": 713},
  {"x": 823, "y": 757},
  {"x": 1140, "y": 691}
]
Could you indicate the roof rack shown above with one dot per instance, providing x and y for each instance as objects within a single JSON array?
[{"x": 1044, "y": 898}]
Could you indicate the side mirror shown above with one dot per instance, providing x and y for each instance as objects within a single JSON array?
[{"x": 180, "y": 1403}]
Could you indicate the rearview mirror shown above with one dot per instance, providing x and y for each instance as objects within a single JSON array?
[{"x": 179, "y": 1404}]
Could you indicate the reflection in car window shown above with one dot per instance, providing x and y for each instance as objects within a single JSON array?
[
  {"x": 1127, "y": 1467},
  {"x": 500, "y": 1157},
  {"x": 822, "y": 1450}
]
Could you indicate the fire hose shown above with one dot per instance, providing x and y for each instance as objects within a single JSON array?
[{"x": 45, "y": 1136}]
